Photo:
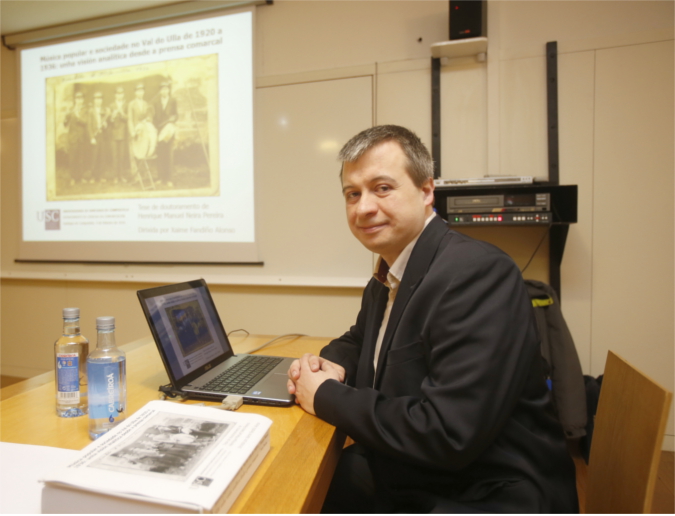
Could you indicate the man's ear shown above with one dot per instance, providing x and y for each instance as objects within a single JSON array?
[{"x": 428, "y": 192}]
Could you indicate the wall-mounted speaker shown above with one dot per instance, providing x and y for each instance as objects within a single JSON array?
[{"x": 468, "y": 19}]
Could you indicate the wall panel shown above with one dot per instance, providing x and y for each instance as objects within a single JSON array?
[
  {"x": 404, "y": 98},
  {"x": 31, "y": 314},
  {"x": 576, "y": 79},
  {"x": 523, "y": 126},
  {"x": 633, "y": 230},
  {"x": 302, "y": 226},
  {"x": 463, "y": 119},
  {"x": 527, "y": 24},
  {"x": 321, "y": 35}
]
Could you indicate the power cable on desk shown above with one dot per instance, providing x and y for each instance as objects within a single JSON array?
[
  {"x": 240, "y": 329},
  {"x": 269, "y": 341},
  {"x": 275, "y": 339}
]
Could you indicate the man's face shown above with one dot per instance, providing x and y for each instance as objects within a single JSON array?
[
  {"x": 385, "y": 209},
  {"x": 98, "y": 101},
  {"x": 139, "y": 93},
  {"x": 119, "y": 97}
]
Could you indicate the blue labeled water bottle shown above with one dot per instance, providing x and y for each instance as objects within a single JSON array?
[
  {"x": 70, "y": 355},
  {"x": 106, "y": 369}
]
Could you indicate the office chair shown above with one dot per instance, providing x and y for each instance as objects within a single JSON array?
[{"x": 626, "y": 447}]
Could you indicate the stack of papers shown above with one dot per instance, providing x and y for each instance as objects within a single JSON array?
[{"x": 167, "y": 457}]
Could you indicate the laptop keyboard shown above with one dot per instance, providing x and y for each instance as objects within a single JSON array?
[{"x": 243, "y": 375}]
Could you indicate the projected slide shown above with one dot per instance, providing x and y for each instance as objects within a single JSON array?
[
  {"x": 118, "y": 133},
  {"x": 144, "y": 136}
]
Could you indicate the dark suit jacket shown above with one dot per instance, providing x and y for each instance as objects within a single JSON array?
[
  {"x": 77, "y": 127},
  {"x": 118, "y": 121},
  {"x": 163, "y": 116},
  {"x": 458, "y": 412}
]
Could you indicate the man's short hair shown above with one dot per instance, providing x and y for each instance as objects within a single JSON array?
[{"x": 420, "y": 166}]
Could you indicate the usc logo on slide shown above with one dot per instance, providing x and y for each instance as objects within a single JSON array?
[{"x": 52, "y": 218}]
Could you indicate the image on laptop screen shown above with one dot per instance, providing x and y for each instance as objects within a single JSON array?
[{"x": 188, "y": 329}]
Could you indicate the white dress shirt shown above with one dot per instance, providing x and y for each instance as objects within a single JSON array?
[{"x": 392, "y": 280}]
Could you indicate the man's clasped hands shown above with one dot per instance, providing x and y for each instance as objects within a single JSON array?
[{"x": 305, "y": 376}]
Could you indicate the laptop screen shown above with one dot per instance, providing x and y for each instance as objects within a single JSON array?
[{"x": 186, "y": 327}]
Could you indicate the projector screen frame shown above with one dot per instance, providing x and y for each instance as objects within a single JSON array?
[{"x": 144, "y": 252}]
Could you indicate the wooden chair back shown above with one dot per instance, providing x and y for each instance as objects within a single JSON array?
[{"x": 627, "y": 439}]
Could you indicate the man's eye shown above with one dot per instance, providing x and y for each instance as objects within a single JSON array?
[
  {"x": 383, "y": 188},
  {"x": 351, "y": 196}
]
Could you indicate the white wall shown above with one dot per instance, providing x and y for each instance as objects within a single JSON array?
[{"x": 615, "y": 69}]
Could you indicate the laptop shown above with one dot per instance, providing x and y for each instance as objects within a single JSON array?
[{"x": 197, "y": 354}]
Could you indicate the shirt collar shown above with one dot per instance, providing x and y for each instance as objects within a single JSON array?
[{"x": 392, "y": 276}]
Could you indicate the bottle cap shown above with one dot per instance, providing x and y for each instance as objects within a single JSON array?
[
  {"x": 71, "y": 313},
  {"x": 105, "y": 323}
]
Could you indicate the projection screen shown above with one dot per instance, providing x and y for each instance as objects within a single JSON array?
[{"x": 138, "y": 146}]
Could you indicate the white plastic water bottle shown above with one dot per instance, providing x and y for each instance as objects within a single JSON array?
[
  {"x": 106, "y": 367},
  {"x": 70, "y": 363}
]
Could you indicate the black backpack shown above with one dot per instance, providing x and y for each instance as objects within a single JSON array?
[{"x": 561, "y": 362}]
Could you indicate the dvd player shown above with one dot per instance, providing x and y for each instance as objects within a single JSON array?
[
  {"x": 479, "y": 219},
  {"x": 507, "y": 203}
]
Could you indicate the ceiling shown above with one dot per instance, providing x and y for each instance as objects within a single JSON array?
[{"x": 26, "y": 15}]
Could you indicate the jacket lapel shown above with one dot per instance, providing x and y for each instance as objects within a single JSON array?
[
  {"x": 366, "y": 371},
  {"x": 418, "y": 264}
]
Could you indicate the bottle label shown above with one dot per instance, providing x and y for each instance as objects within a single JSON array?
[
  {"x": 68, "y": 377},
  {"x": 104, "y": 390}
]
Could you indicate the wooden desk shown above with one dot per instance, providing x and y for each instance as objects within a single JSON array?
[{"x": 294, "y": 476}]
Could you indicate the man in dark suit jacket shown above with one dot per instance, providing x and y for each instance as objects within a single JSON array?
[
  {"x": 439, "y": 382},
  {"x": 76, "y": 122},
  {"x": 119, "y": 134},
  {"x": 165, "y": 116},
  {"x": 97, "y": 127}
]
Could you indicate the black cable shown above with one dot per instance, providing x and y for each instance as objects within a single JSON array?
[{"x": 548, "y": 229}]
